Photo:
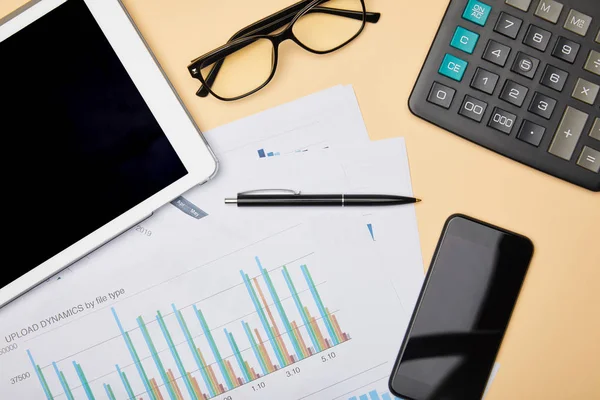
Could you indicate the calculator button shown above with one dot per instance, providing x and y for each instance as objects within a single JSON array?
[
  {"x": 566, "y": 50},
  {"x": 542, "y": 105},
  {"x": 453, "y": 67},
  {"x": 502, "y": 121},
  {"x": 595, "y": 132},
  {"x": 441, "y": 95},
  {"x": 484, "y": 81},
  {"x": 554, "y": 78},
  {"x": 585, "y": 91},
  {"x": 598, "y": 37},
  {"x": 568, "y": 133},
  {"x": 508, "y": 25},
  {"x": 531, "y": 133},
  {"x": 593, "y": 63},
  {"x": 525, "y": 65},
  {"x": 589, "y": 159},
  {"x": 549, "y": 10},
  {"x": 578, "y": 23},
  {"x": 496, "y": 53},
  {"x": 522, "y": 5},
  {"x": 477, "y": 12},
  {"x": 514, "y": 93},
  {"x": 464, "y": 40},
  {"x": 537, "y": 38},
  {"x": 473, "y": 108}
]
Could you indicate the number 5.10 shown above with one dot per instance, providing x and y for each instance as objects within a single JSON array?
[{"x": 20, "y": 378}]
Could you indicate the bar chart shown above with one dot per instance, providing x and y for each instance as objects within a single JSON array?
[{"x": 276, "y": 342}]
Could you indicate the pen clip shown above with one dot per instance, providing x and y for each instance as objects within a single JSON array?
[{"x": 270, "y": 191}]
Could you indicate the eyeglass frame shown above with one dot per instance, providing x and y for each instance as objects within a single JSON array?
[{"x": 256, "y": 31}]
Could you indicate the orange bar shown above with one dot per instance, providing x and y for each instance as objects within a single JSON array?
[
  {"x": 231, "y": 373},
  {"x": 315, "y": 326},
  {"x": 254, "y": 374},
  {"x": 300, "y": 339},
  {"x": 174, "y": 383},
  {"x": 278, "y": 338},
  {"x": 195, "y": 385},
  {"x": 212, "y": 375},
  {"x": 336, "y": 327},
  {"x": 263, "y": 352},
  {"x": 155, "y": 389}
]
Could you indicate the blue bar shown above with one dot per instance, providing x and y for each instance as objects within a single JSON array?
[
  {"x": 261, "y": 153},
  {"x": 46, "y": 392},
  {"x": 163, "y": 328},
  {"x": 373, "y": 395},
  {"x": 353, "y": 398},
  {"x": 62, "y": 382},
  {"x": 157, "y": 361},
  {"x": 313, "y": 290},
  {"x": 89, "y": 394},
  {"x": 386, "y": 396},
  {"x": 215, "y": 351},
  {"x": 270, "y": 154},
  {"x": 370, "y": 227},
  {"x": 255, "y": 349},
  {"x": 194, "y": 352},
  {"x": 280, "y": 310},
  {"x": 263, "y": 319},
  {"x": 107, "y": 392},
  {"x": 131, "y": 353},
  {"x": 363, "y": 397},
  {"x": 301, "y": 311},
  {"x": 238, "y": 356},
  {"x": 276, "y": 154},
  {"x": 122, "y": 376}
]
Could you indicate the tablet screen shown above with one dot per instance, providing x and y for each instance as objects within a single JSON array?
[{"x": 79, "y": 144}]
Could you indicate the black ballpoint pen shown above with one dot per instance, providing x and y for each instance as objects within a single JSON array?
[{"x": 290, "y": 198}]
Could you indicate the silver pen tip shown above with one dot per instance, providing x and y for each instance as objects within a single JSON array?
[{"x": 231, "y": 201}]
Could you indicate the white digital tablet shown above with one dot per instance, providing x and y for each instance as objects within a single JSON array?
[{"x": 93, "y": 137}]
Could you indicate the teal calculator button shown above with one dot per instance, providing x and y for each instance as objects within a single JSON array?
[
  {"x": 464, "y": 40},
  {"x": 453, "y": 67},
  {"x": 477, "y": 12}
]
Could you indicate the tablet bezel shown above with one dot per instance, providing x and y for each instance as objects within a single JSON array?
[{"x": 165, "y": 104}]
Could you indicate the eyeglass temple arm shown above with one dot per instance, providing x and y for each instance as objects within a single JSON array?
[{"x": 273, "y": 23}]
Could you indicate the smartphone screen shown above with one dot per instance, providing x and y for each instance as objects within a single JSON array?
[{"x": 462, "y": 312}]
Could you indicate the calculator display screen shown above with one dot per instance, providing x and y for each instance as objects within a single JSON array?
[{"x": 462, "y": 313}]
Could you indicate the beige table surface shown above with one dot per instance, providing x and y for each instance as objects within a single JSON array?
[{"x": 552, "y": 348}]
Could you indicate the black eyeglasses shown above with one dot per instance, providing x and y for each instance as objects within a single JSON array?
[{"x": 247, "y": 63}]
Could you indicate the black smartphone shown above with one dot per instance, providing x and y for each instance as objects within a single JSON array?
[{"x": 462, "y": 312}]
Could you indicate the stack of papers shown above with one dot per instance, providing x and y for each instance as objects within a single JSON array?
[{"x": 206, "y": 300}]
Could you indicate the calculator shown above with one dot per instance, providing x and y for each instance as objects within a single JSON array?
[{"x": 521, "y": 78}]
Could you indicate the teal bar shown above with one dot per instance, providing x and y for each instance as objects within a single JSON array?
[
  {"x": 156, "y": 358},
  {"x": 373, "y": 395},
  {"x": 40, "y": 377},
  {"x": 386, "y": 396},
  {"x": 255, "y": 348},
  {"x": 263, "y": 319},
  {"x": 133, "y": 354},
  {"x": 192, "y": 346},
  {"x": 363, "y": 397},
  {"x": 175, "y": 355},
  {"x": 63, "y": 382},
  {"x": 300, "y": 307},
  {"x": 320, "y": 305},
  {"x": 280, "y": 310},
  {"x": 84, "y": 382},
  {"x": 213, "y": 347},
  {"x": 353, "y": 398},
  {"x": 109, "y": 392},
  {"x": 126, "y": 383},
  {"x": 238, "y": 356}
]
